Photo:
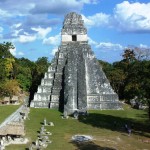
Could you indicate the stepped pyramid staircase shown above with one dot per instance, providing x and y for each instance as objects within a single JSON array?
[{"x": 75, "y": 80}]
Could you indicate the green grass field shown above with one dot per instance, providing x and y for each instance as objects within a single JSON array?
[
  {"x": 6, "y": 110},
  {"x": 99, "y": 124}
]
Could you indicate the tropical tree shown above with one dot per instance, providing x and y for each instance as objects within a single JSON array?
[
  {"x": 145, "y": 84},
  {"x": 10, "y": 88},
  {"x": 23, "y": 73},
  {"x": 5, "y": 50},
  {"x": 6, "y": 61},
  {"x": 41, "y": 66}
]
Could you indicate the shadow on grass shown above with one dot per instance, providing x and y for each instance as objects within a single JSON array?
[
  {"x": 38, "y": 132},
  {"x": 41, "y": 123},
  {"x": 89, "y": 146},
  {"x": 116, "y": 123},
  {"x": 142, "y": 116}
]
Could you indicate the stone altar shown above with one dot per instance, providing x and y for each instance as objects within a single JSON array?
[{"x": 75, "y": 80}]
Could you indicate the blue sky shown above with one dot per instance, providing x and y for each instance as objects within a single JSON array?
[{"x": 34, "y": 27}]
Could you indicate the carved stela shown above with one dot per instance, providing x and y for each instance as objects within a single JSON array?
[{"x": 75, "y": 80}]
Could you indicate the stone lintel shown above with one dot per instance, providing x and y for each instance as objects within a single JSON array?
[{"x": 69, "y": 38}]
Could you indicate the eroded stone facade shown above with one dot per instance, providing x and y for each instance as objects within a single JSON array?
[{"x": 75, "y": 80}]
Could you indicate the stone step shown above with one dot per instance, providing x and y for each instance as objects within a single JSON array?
[
  {"x": 44, "y": 89},
  {"x": 42, "y": 96},
  {"x": 41, "y": 104},
  {"x": 54, "y": 98},
  {"x": 98, "y": 98},
  {"x": 47, "y": 82},
  {"x": 105, "y": 105},
  {"x": 51, "y": 69},
  {"x": 49, "y": 75},
  {"x": 54, "y": 105},
  {"x": 75, "y": 73}
]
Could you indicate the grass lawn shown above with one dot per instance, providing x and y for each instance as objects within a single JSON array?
[
  {"x": 99, "y": 124},
  {"x": 6, "y": 110}
]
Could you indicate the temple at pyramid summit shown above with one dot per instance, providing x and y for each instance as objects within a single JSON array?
[{"x": 75, "y": 80}]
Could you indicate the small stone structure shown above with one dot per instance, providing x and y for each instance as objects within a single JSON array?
[
  {"x": 82, "y": 138},
  {"x": 12, "y": 129},
  {"x": 75, "y": 80},
  {"x": 14, "y": 99},
  {"x": 6, "y": 100},
  {"x": 12, "y": 133},
  {"x": 42, "y": 140}
]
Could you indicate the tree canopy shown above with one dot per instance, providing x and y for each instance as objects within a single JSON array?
[
  {"x": 19, "y": 74},
  {"x": 128, "y": 77}
]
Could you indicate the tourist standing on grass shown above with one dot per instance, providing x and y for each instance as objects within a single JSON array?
[{"x": 129, "y": 131}]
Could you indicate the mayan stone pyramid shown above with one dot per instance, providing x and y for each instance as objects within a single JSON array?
[{"x": 75, "y": 79}]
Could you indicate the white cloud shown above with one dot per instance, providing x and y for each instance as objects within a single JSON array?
[
  {"x": 99, "y": 19},
  {"x": 133, "y": 17},
  {"x": 53, "y": 40},
  {"x": 57, "y": 7},
  {"x": 15, "y": 8},
  {"x": 143, "y": 46},
  {"x": 20, "y": 53},
  {"x": 89, "y": 1},
  {"x": 4, "y": 13},
  {"x": 127, "y": 17},
  {"x": 29, "y": 15},
  {"x": 16, "y": 32},
  {"x": 1, "y": 29},
  {"x": 42, "y": 32},
  {"x": 105, "y": 46},
  {"x": 92, "y": 42},
  {"x": 14, "y": 26},
  {"x": 54, "y": 50},
  {"x": 26, "y": 38},
  {"x": 109, "y": 46},
  {"x": 21, "y": 8},
  {"x": 13, "y": 51}
]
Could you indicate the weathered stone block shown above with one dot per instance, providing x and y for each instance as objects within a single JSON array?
[
  {"x": 75, "y": 81},
  {"x": 54, "y": 98}
]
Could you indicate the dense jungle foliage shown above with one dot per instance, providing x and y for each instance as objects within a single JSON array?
[
  {"x": 19, "y": 75},
  {"x": 129, "y": 77}
]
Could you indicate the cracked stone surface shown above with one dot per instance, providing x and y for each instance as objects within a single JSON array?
[{"x": 75, "y": 80}]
